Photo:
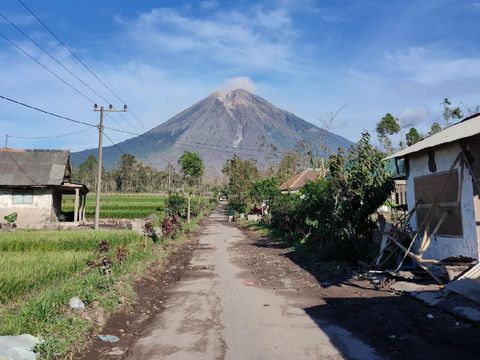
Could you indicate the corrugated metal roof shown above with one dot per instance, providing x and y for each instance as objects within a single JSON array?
[
  {"x": 33, "y": 167},
  {"x": 298, "y": 181},
  {"x": 468, "y": 127}
]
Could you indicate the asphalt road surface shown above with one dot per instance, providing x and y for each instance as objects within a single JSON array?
[{"x": 216, "y": 311}]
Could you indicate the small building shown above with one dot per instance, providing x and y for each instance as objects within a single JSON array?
[
  {"x": 442, "y": 174},
  {"x": 32, "y": 183},
  {"x": 297, "y": 182}
]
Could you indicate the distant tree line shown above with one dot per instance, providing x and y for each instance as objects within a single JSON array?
[{"x": 131, "y": 175}]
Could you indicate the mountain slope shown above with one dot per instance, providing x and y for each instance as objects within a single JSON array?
[{"x": 219, "y": 126}]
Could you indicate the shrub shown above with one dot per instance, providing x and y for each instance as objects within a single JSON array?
[{"x": 176, "y": 204}]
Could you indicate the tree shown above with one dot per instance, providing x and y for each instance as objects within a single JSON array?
[
  {"x": 192, "y": 165},
  {"x": 192, "y": 168},
  {"x": 413, "y": 136},
  {"x": 241, "y": 176},
  {"x": 264, "y": 191},
  {"x": 287, "y": 167},
  {"x": 338, "y": 208},
  {"x": 435, "y": 128},
  {"x": 87, "y": 172},
  {"x": 387, "y": 127},
  {"x": 450, "y": 113}
]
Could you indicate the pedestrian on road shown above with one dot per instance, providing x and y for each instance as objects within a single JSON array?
[{"x": 230, "y": 214}]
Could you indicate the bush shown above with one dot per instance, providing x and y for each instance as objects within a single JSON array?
[
  {"x": 176, "y": 204},
  {"x": 285, "y": 214}
]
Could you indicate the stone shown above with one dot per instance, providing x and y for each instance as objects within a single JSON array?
[
  {"x": 76, "y": 303},
  {"x": 116, "y": 351},
  {"x": 19, "y": 347}
]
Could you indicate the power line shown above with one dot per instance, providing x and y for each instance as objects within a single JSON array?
[
  {"x": 51, "y": 56},
  {"x": 79, "y": 60},
  {"x": 113, "y": 143},
  {"x": 47, "y": 112},
  {"x": 46, "y": 68},
  {"x": 49, "y": 137},
  {"x": 63, "y": 66}
]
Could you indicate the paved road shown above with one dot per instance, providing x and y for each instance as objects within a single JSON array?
[{"x": 216, "y": 312}]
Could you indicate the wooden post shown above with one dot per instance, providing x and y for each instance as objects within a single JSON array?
[
  {"x": 188, "y": 211},
  {"x": 84, "y": 206},
  {"x": 75, "y": 209}
]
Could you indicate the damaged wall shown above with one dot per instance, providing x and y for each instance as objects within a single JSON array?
[{"x": 443, "y": 246}]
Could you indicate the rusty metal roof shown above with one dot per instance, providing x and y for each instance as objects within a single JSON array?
[
  {"x": 466, "y": 128},
  {"x": 298, "y": 181},
  {"x": 34, "y": 167}
]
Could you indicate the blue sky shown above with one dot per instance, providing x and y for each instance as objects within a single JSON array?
[{"x": 308, "y": 57}]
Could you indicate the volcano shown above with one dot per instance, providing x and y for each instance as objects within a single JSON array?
[{"x": 221, "y": 125}]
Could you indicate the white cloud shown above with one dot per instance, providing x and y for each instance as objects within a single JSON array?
[
  {"x": 209, "y": 4},
  {"x": 424, "y": 67},
  {"x": 240, "y": 82},
  {"x": 413, "y": 116},
  {"x": 255, "y": 39}
]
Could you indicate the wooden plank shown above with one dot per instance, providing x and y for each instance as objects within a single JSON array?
[
  {"x": 420, "y": 262},
  {"x": 468, "y": 284}
]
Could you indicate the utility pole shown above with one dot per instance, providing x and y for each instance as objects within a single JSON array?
[
  {"x": 100, "y": 153},
  {"x": 6, "y": 141},
  {"x": 169, "y": 174}
]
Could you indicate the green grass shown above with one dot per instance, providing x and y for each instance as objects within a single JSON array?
[
  {"x": 41, "y": 270},
  {"x": 119, "y": 206}
]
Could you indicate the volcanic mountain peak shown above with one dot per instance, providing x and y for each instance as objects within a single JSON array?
[
  {"x": 234, "y": 98},
  {"x": 223, "y": 124}
]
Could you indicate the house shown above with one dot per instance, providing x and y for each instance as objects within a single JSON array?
[
  {"x": 32, "y": 183},
  {"x": 297, "y": 182},
  {"x": 442, "y": 174}
]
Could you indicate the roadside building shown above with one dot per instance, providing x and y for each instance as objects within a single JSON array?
[
  {"x": 442, "y": 174},
  {"x": 32, "y": 183},
  {"x": 297, "y": 182}
]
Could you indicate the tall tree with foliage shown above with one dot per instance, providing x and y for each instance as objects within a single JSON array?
[
  {"x": 264, "y": 191},
  {"x": 338, "y": 209},
  {"x": 193, "y": 169},
  {"x": 288, "y": 166},
  {"x": 387, "y": 127},
  {"x": 450, "y": 113},
  {"x": 413, "y": 136},
  {"x": 87, "y": 172},
  {"x": 435, "y": 128},
  {"x": 241, "y": 174}
]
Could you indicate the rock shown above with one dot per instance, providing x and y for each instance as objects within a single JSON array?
[
  {"x": 430, "y": 316},
  {"x": 116, "y": 351},
  {"x": 18, "y": 347},
  {"x": 325, "y": 284},
  {"x": 392, "y": 337},
  {"x": 76, "y": 303}
]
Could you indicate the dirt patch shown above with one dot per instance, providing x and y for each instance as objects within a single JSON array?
[
  {"x": 151, "y": 290},
  {"x": 397, "y": 326}
]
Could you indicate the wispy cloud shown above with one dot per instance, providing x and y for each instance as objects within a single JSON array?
[{"x": 256, "y": 39}]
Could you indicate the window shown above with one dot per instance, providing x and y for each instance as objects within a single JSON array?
[
  {"x": 22, "y": 197},
  {"x": 442, "y": 192}
]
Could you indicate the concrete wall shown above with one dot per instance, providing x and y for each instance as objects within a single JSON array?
[
  {"x": 34, "y": 214},
  {"x": 445, "y": 246}
]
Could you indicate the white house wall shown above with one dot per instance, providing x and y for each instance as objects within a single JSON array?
[
  {"x": 36, "y": 213},
  {"x": 444, "y": 246}
]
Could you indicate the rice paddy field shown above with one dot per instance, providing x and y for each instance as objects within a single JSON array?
[
  {"x": 41, "y": 270},
  {"x": 119, "y": 206},
  {"x": 33, "y": 260}
]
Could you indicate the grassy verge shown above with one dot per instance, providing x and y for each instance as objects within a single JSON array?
[{"x": 43, "y": 270}]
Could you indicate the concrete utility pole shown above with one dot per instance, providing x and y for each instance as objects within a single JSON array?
[
  {"x": 169, "y": 174},
  {"x": 100, "y": 153}
]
